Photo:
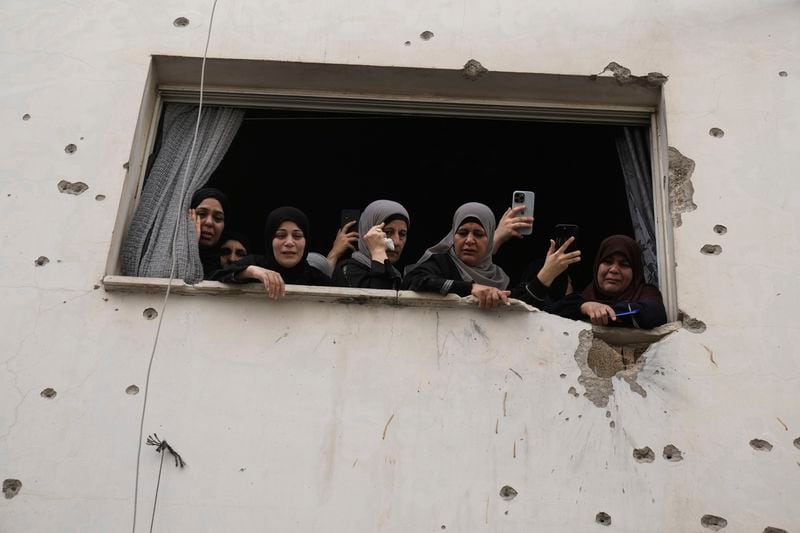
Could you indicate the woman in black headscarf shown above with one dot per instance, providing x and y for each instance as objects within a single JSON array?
[
  {"x": 462, "y": 261},
  {"x": 284, "y": 260},
  {"x": 207, "y": 212},
  {"x": 617, "y": 287}
]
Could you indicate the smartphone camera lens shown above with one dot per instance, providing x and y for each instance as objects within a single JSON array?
[{"x": 519, "y": 198}]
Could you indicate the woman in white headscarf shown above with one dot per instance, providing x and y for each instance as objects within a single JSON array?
[
  {"x": 462, "y": 261},
  {"x": 382, "y": 229}
]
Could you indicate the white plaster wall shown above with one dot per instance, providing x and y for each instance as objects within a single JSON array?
[{"x": 305, "y": 417}]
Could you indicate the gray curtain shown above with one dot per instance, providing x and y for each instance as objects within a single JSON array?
[
  {"x": 633, "y": 147},
  {"x": 147, "y": 248}
]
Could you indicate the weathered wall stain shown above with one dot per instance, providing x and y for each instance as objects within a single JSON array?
[{"x": 681, "y": 190}]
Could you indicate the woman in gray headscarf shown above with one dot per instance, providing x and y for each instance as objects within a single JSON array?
[
  {"x": 382, "y": 229},
  {"x": 462, "y": 262}
]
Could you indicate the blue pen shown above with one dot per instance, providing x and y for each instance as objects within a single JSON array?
[{"x": 626, "y": 313}]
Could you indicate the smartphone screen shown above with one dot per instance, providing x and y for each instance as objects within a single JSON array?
[{"x": 563, "y": 232}]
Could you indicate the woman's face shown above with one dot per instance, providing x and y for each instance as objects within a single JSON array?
[
  {"x": 614, "y": 274},
  {"x": 397, "y": 230},
  {"x": 288, "y": 244},
  {"x": 230, "y": 252},
  {"x": 470, "y": 243},
  {"x": 212, "y": 221}
]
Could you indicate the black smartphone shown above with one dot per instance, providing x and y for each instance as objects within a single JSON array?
[
  {"x": 349, "y": 215},
  {"x": 563, "y": 232}
]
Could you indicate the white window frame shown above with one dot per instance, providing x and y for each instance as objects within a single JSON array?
[{"x": 392, "y": 90}]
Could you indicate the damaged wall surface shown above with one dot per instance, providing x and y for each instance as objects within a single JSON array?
[{"x": 301, "y": 416}]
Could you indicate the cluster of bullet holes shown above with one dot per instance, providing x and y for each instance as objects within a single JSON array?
[
  {"x": 180, "y": 22},
  {"x": 70, "y": 148},
  {"x": 761, "y": 445},
  {"x": 150, "y": 313},
  {"x": 603, "y": 519},
  {"x": 67, "y": 187},
  {"x": 48, "y": 393},
  {"x": 711, "y": 249},
  {"x": 714, "y": 523},
  {"x": 41, "y": 261},
  {"x": 716, "y": 132},
  {"x": 11, "y": 488},
  {"x": 508, "y": 493},
  {"x": 26, "y": 116},
  {"x": 132, "y": 390}
]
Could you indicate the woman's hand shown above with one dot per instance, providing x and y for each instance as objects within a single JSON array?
[
  {"x": 196, "y": 221},
  {"x": 598, "y": 313},
  {"x": 345, "y": 240},
  {"x": 489, "y": 297},
  {"x": 272, "y": 281},
  {"x": 375, "y": 239},
  {"x": 511, "y": 225},
  {"x": 557, "y": 261}
]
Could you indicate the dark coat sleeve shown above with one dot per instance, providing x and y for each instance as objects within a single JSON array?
[
  {"x": 437, "y": 274},
  {"x": 228, "y": 274},
  {"x": 351, "y": 273},
  {"x": 651, "y": 310}
]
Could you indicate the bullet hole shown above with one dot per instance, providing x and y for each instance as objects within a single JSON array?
[
  {"x": 612, "y": 425},
  {"x": 562, "y": 376},
  {"x": 644, "y": 455},
  {"x": 692, "y": 325},
  {"x": 603, "y": 518},
  {"x": 671, "y": 453},
  {"x": 566, "y": 333},
  {"x": 26, "y": 117},
  {"x": 573, "y": 392},
  {"x": 407, "y": 43},
  {"x": 149, "y": 313},
  {"x": 473, "y": 70},
  {"x": 41, "y": 261},
  {"x": 797, "y": 443},
  {"x": 761, "y": 445},
  {"x": 76, "y": 188},
  {"x": 48, "y": 393},
  {"x": 132, "y": 390},
  {"x": 681, "y": 190},
  {"x": 242, "y": 469},
  {"x": 180, "y": 22},
  {"x": 783, "y": 74},
  {"x": 444, "y": 527},
  {"x": 711, "y": 249},
  {"x": 100, "y": 197},
  {"x": 96, "y": 286},
  {"x": 426, "y": 35},
  {"x": 11, "y": 487},
  {"x": 714, "y": 523},
  {"x": 770, "y": 529},
  {"x": 716, "y": 132},
  {"x": 70, "y": 148},
  {"x": 125, "y": 165},
  {"x": 508, "y": 493},
  {"x": 719, "y": 229},
  {"x": 608, "y": 414}
]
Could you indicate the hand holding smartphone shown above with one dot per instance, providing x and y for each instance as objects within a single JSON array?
[{"x": 525, "y": 198}]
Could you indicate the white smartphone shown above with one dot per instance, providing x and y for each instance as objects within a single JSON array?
[{"x": 525, "y": 198}]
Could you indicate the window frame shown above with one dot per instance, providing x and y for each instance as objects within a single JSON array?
[{"x": 393, "y": 90}]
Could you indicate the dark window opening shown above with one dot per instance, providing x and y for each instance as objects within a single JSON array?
[{"x": 324, "y": 162}]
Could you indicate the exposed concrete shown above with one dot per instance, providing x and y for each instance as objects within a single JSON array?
[
  {"x": 761, "y": 445},
  {"x": 624, "y": 77},
  {"x": 711, "y": 249},
  {"x": 473, "y": 70},
  {"x": 76, "y": 188},
  {"x": 644, "y": 455},
  {"x": 716, "y": 132},
  {"x": 719, "y": 229},
  {"x": 48, "y": 393},
  {"x": 41, "y": 261},
  {"x": 70, "y": 148},
  {"x": 603, "y": 519},
  {"x": 690, "y": 324},
  {"x": 681, "y": 190},
  {"x": 714, "y": 523},
  {"x": 180, "y": 22},
  {"x": 11, "y": 488},
  {"x": 673, "y": 454},
  {"x": 426, "y": 35}
]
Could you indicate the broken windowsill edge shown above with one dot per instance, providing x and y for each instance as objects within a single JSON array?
[
  {"x": 617, "y": 336},
  {"x": 303, "y": 293}
]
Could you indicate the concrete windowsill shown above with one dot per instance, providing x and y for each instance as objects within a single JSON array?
[{"x": 302, "y": 293}]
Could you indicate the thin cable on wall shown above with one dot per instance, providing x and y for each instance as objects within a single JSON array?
[{"x": 172, "y": 270}]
